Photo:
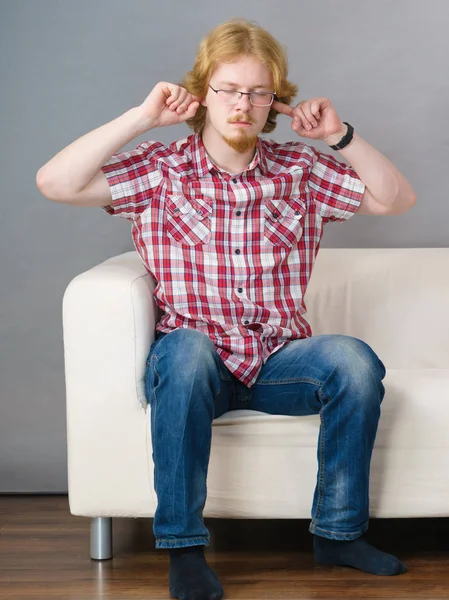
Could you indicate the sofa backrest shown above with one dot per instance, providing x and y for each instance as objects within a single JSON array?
[{"x": 394, "y": 299}]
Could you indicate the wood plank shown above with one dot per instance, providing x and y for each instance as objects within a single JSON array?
[{"x": 44, "y": 554}]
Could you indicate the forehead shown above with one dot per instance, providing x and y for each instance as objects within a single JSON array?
[{"x": 245, "y": 72}]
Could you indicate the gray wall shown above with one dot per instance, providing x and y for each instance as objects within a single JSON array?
[{"x": 68, "y": 67}]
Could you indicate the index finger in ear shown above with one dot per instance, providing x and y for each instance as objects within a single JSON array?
[{"x": 285, "y": 109}]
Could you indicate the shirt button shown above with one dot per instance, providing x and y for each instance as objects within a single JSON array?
[
  {"x": 237, "y": 251},
  {"x": 234, "y": 181},
  {"x": 275, "y": 215},
  {"x": 238, "y": 213},
  {"x": 246, "y": 322},
  {"x": 240, "y": 290}
]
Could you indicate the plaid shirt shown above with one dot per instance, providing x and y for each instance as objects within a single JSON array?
[{"x": 232, "y": 255}]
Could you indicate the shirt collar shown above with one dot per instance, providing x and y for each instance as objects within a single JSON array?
[{"x": 202, "y": 164}]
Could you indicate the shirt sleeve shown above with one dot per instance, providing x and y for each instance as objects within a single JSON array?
[
  {"x": 336, "y": 188},
  {"x": 132, "y": 176}
]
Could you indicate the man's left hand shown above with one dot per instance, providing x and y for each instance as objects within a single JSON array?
[{"x": 315, "y": 119}]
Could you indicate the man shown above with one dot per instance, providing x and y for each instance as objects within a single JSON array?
[{"x": 229, "y": 226}]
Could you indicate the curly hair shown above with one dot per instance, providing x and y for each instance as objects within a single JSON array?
[{"x": 228, "y": 42}]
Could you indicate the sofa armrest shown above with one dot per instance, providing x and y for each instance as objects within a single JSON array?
[{"x": 109, "y": 318}]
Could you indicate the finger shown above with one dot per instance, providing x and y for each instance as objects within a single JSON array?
[
  {"x": 315, "y": 109},
  {"x": 174, "y": 95},
  {"x": 283, "y": 108},
  {"x": 297, "y": 123},
  {"x": 184, "y": 104},
  {"x": 300, "y": 117},
  {"x": 308, "y": 115},
  {"x": 297, "y": 126},
  {"x": 191, "y": 110},
  {"x": 180, "y": 99},
  {"x": 310, "y": 133}
]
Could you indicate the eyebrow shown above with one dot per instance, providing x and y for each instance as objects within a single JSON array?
[{"x": 236, "y": 85}]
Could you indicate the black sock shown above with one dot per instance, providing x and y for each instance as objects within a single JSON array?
[
  {"x": 190, "y": 576},
  {"x": 356, "y": 553}
]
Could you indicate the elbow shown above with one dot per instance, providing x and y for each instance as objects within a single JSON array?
[
  {"x": 46, "y": 186},
  {"x": 404, "y": 203},
  {"x": 405, "y": 197},
  {"x": 409, "y": 194},
  {"x": 409, "y": 198},
  {"x": 42, "y": 183}
]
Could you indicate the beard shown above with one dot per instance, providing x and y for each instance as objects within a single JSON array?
[{"x": 242, "y": 142}]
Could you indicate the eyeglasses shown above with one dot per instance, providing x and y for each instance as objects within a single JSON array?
[{"x": 256, "y": 98}]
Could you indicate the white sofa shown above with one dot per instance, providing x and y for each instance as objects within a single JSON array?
[{"x": 262, "y": 466}]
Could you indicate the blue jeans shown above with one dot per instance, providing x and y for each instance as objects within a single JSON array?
[{"x": 187, "y": 386}]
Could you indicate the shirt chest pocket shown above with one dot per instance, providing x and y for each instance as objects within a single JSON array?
[
  {"x": 284, "y": 221},
  {"x": 188, "y": 221}
]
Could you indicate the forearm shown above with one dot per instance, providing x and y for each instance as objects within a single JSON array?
[
  {"x": 385, "y": 182},
  {"x": 74, "y": 167}
]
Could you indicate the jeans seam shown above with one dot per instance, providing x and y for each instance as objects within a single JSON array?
[
  {"x": 351, "y": 533},
  {"x": 154, "y": 407},
  {"x": 223, "y": 372},
  {"x": 292, "y": 380},
  {"x": 184, "y": 542},
  {"x": 321, "y": 467}
]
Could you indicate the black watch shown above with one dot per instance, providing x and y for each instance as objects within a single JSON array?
[{"x": 346, "y": 139}]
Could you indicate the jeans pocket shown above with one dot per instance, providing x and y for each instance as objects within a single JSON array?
[
  {"x": 153, "y": 344},
  {"x": 150, "y": 366}
]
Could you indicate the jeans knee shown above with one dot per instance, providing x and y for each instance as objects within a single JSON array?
[
  {"x": 186, "y": 347},
  {"x": 188, "y": 359},
  {"x": 355, "y": 362}
]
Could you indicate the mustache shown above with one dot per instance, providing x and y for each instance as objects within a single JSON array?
[{"x": 240, "y": 119}]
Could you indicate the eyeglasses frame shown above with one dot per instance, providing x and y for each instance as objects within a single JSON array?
[{"x": 249, "y": 94}]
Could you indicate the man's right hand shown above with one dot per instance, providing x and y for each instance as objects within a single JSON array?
[{"x": 169, "y": 104}]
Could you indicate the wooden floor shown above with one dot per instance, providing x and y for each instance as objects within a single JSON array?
[{"x": 44, "y": 554}]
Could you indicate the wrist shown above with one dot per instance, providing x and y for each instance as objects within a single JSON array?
[
  {"x": 140, "y": 120},
  {"x": 336, "y": 137}
]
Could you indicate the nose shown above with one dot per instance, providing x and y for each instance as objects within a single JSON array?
[{"x": 244, "y": 104}]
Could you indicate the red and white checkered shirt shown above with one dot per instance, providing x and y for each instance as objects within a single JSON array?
[{"x": 232, "y": 255}]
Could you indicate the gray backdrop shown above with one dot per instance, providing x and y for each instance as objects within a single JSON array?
[{"x": 68, "y": 67}]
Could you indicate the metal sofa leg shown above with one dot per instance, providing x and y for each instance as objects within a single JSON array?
[{"x": 101, "y": 538}]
